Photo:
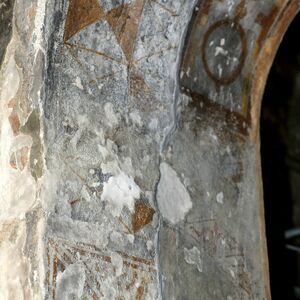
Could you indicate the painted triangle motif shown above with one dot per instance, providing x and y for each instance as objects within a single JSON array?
[
  {"x": 124, "y": 21},
  {"x": 97, "y": 266},
  {"x": 81, "y": 13},
  {"x": 92, "y": 37}
]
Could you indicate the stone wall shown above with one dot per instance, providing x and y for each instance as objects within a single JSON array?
[
  {"x": 129, "y": 148},
  {"x": 21, "y": 150}
]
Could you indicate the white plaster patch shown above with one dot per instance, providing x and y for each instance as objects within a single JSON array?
[
  {"x": 85, "y": 193},
  {"x": 193, "y": 257},
  {"x": 13, "y": 202},
  {"x": 111, "y": 116},
  {"x": 136, "y": 118},
  {"x": 39, "y": 25},
  {"x": 117, "y": 262},
  {"x": 70, "y": 282},
  {"x": 116, "y": 237},
  {"x": 220, "y": 198},
  {"x": 232, "y": 273},
  {"x": 149, "y": 245},
  {"x": 111, "y": 167},
  {"x": 230, "y": 5},
  {"x": 220, "y": 50},
  {"x": 153, "y": 124},
  {"x": 78, "y": 83},
  {"x": 108, "y": 288},
  {"x": 188, "y": 72},
  {"x": 220, "y": 70},
  {"x": 130, "y": 238},
  {"x": 103, "y": 151},
  {"x": 173, "y": 199},
  {"x": 120, "y": 191},
  {"x": 14, "y": 265},
  {"x": 213, "y": 136}
]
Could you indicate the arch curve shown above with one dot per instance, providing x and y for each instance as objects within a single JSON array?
[
  {"x": 265, "y": 59},
  {"x": 221, "y": 119}
]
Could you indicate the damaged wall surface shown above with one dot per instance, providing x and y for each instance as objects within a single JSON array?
[{"x": 129, "y": 147}]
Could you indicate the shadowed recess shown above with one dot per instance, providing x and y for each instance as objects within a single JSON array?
[{"x": 6, "y": 15}]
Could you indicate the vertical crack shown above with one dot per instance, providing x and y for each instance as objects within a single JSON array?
[
  {"x": 157, "y": 237},
  {"x": 176, "y": 93},
  {"x": 175, "y": 107}
]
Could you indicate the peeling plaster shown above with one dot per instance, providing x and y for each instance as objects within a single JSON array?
[
  {"x": 70, "y": 282},
  {"x": 193, "y": 257},
  {"x": 174, "y": 201},
  {"x": 120, "y": 191},
  {"x": 220, "y": 198},
  {"x": 13, "y": 203}
]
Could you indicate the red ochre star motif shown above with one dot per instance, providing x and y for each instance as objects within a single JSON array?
[
  {"x": 96, "y": 265},
  {"x": 123, "y": 20}
]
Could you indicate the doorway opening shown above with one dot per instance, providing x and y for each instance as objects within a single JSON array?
[{"x": 280, "y": 158}]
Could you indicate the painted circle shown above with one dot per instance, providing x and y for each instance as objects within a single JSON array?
[{"x": 224, "y": 51}]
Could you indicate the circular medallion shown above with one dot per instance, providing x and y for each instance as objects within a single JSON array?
[{"x": 224, "y": 51}]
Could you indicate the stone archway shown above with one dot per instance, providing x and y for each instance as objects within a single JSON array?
[
  {"x": 279, "y": 127},
  {"x": 138, "y": 126},
  {"x": 228, "y": 52}
]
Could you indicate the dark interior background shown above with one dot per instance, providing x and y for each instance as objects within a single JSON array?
[{"x": 280, "y": 151}]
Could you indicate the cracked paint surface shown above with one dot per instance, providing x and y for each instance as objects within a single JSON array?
[
  {"x": 127, "y": 128},
  {"x": 114, "y": 67}
]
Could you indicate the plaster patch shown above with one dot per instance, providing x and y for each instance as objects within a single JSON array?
[
  {"x": 149, "y": 245},
  {"x": 116, "y": 237},
  {"x": 220, "y": 50},
  {"x": 14, "y": 268},
  {"x": 103, "y": 151},
  {"x": 70, "y": 283},
  {"x": 173, "y": 199},
  {"x": 111, "y": 116},
  {"x": 78, "y": 83},
  {"x": 130, "y": 238},
  {"x": 117, "y": 262},
  {"x": 220, "y": 198},
  {"x": 120, "y": 191},
  {"x": 111, "y": 167},
  {"x": 39, "y": 25},
  {"x": 13, "y": 202},
  {"x": 85, "y": 193},
  {"x": 153, "y": 125},
  {"x": 11, "y": 82},
  {"x": 108, "y": 288},
  {"x": 111, "y": 162},
  {"x": 136, "y": 118},
  {"x": 193, "y": 257}
]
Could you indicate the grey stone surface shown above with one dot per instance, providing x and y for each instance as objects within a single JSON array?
[
  {"x": 107, "y": 116},
  {"x": 131, "y": 142}
]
